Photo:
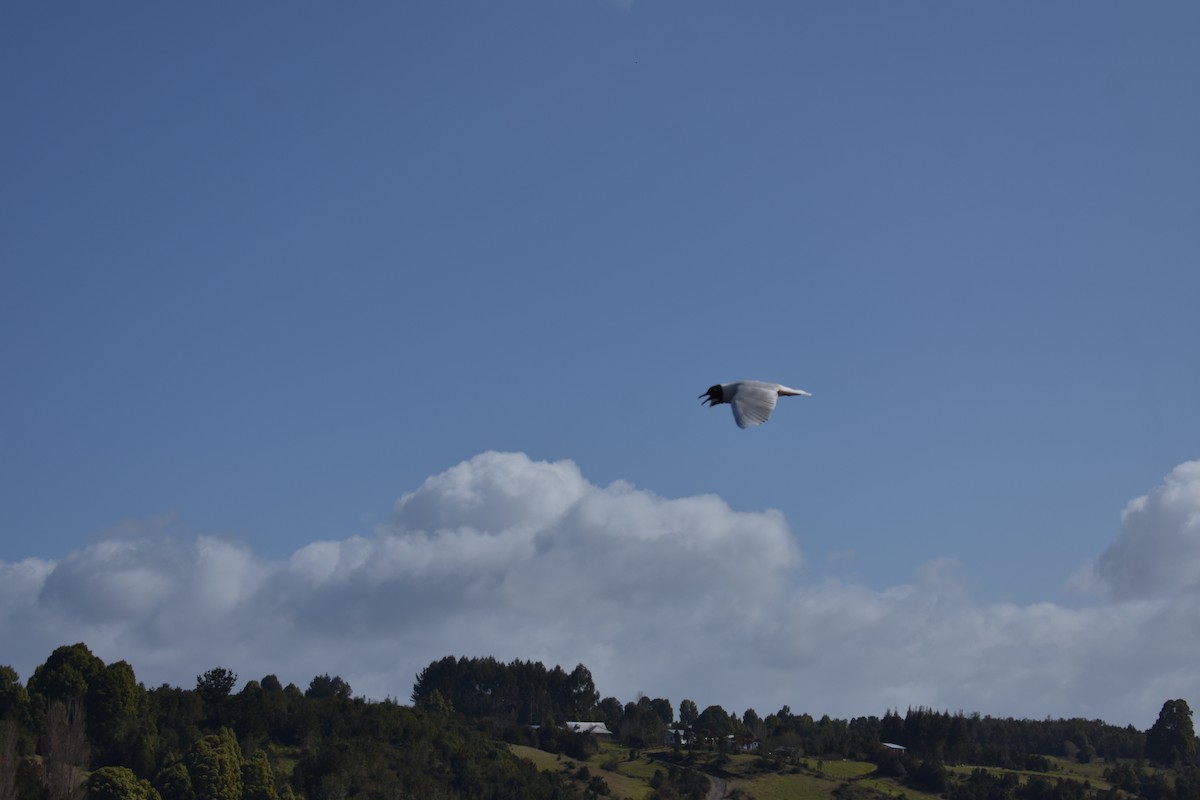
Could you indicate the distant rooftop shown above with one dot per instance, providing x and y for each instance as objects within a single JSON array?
[{"x": 595, "y": 728}]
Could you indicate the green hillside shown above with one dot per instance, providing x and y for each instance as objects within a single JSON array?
[{"x": 80, "y": 729}]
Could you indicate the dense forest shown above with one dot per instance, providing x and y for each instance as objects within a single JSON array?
[
  {"x": 80, "y": 728},
  {"x": 79, "y": 718},
  {"x": 523, "y": 693}
]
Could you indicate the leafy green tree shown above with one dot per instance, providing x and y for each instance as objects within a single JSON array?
[
  {"x": 119, "y": 783},
  {"x": 258, "y": 782},
  {"x": 215, "y": 767},
  {"x": 1172, "y": 740},
  {"x": 347, "y": 748},
  {"x": 662, "y": 707},
  {"x": 580, "y": 694},
  {"x": 519, "y": 693},
  {"x": 325, "y": 686},
  {"x": 714, "y": 723},
  {"x": 610, "y": 710},
  {"x": 1187, "y": 784},
  {"x": 1157, "y": 787},
  {"x": 688, "y": 713},
  {"x": 438, "y": 705},
  {"x": 929, "y": 776},
  {"x": 271, "y": 684},
  {"x": 143, "y": 744},
  {"x": 1126, "y": 777},
  {"x": 113, "y": 705},
  {"x": 891, "y": 728},
  {"x": 214, "y": 687},
  {"x": 642, "y": 724},
  {"x": 216, "y": 684},
  {"x": 548, "y": 735},
  {"x": 14, "y": 699},
  {"x": 66, "y": 674},
  {"x": 174, "y": 783}
]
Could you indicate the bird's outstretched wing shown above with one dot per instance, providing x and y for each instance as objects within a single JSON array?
[{"x": 753, "y": 404}]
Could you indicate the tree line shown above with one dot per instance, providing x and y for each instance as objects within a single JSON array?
[
  {"x": 526, "y": 693},
  {"x": 80, "y": 728},
  {"x": 517, "y": 693}
]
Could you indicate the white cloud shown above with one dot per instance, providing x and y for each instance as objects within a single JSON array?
[
  {"x": 20, "y": 583},
  {"x": 505, "y": 556},
  {"x": 1158, "y": 550}
]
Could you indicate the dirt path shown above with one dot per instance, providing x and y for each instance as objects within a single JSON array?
[{"x": 716, "y": 787}]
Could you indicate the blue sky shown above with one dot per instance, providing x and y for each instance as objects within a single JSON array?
[{"x": 268, "y": 269}]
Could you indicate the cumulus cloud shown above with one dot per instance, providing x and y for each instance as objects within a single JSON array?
[
  {"x": 1158, "y": 550},
  {"x": 506, "y": 556}
]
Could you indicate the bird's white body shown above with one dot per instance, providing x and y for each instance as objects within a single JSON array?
[{"x": 752, "y": 401}]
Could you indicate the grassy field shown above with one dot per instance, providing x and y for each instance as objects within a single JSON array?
[
  {"x": 1092, "y": 771},
  {"x": 813, "y": 779},
  {"x": 783, "y": 787},
  {"x": 625, "y": 778},
  {"x": 758, "y": 778},
  {"x": 1065, "y": 769},
  {"x": 842, "y": 770}
]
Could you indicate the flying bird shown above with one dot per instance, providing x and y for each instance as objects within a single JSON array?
[{"x": 752, "y": 401}]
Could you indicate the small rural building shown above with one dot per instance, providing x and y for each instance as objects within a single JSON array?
[{"x": 594, "y": 728}]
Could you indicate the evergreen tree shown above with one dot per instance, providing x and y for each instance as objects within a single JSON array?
[
  {"x": 715, "y": 723},
  {"x": 66, "y": 675},
  {"x": 215, "y": 767},
  {"x": 688, "y": 712},
  {"x": 325, "y": 686},
  {"x": 610, "y": 711},
  {"x": 113, "y": 703},
  {"x": 258, "y": 783},
  {"x": 214, "y": 687},
  {"x": 581, "y": 695},
  {"x": 119, "y": 783},
  {"x": 174, "y": 783},
  {"x": 1172, "y": 740},
  {"x": 14, "y": 699}
]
